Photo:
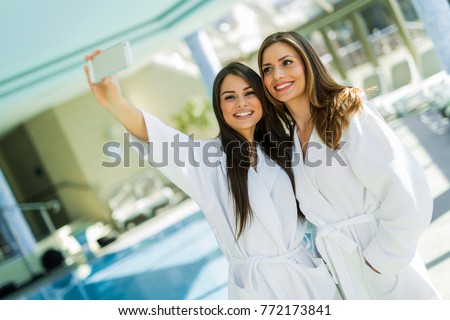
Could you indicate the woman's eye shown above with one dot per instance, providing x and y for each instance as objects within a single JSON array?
[
  {"x": 287, "y": 62},
  {"x": 229, "y": 97},
  {"x": 249, "y": 93},
  {"x": 266, "y": 70}
]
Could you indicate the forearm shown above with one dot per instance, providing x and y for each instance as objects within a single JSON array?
[
  {"x": 131, "y": 118},
  {"x": 108, "y": 95}
]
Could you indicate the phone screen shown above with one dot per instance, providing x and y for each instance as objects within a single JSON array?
[{"x": 110, "y": 61}]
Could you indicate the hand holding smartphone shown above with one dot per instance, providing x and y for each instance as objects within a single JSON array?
[{"x": 110, "y": 61}]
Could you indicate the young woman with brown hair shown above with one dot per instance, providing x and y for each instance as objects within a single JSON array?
[{"x": 365, "y": 192}]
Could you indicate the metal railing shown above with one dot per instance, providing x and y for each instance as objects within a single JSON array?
[{"x": 43, "y": 208}]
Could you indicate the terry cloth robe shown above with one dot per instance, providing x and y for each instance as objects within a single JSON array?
[
  {"x": 271, "y": 260},
  {"x": 369, "y": 200}
]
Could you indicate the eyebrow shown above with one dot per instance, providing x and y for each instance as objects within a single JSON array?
[
  {"x": 246, "y": 88},
  {"x": 279, "y": 59}
]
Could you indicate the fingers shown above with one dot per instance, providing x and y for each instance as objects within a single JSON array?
[
  {"x": 86, "y": 68},
  {"x": 88, "y": 76},
  {"x": 106, "y": 81},
  {"x": 92, "y": 55}
]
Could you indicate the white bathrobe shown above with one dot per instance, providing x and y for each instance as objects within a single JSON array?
[
  {"x": 271, "y": 260},
  {"x": 369, "y": 200}
]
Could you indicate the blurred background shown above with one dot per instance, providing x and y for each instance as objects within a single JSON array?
[{"x": 73, "y": 228}]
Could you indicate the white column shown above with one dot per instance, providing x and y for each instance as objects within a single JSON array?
[
  {"x": 435, "y": 15},
  {"x": 205, "y": 56}
]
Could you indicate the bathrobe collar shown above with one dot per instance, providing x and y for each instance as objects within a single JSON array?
[
  {"x": 315, "y": 155},
  {"x": 260, "y": 184}
]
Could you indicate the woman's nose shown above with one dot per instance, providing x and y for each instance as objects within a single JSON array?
[
  {"x": 241, "y": 102},
  {"x": 278, "y": 73}
]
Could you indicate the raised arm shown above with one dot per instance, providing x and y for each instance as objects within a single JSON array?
[
  {"x": 177, "y": 156},
  {"x": 109, "y": 95}
]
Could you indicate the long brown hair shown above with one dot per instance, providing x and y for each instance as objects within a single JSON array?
[
  {"x": 331, "y": 104},
  {"x": 270, "y": 134}
]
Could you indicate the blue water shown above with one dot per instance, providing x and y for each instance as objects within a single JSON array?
[{"x": 181, "y": 262}]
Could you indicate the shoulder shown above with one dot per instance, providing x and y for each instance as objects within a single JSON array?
[
  {"x": 367, "y": 111},
  {"x": 367, "y": 124}
]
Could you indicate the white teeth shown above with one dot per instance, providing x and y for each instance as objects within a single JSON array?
[
  {"x": 284, "y": 85},
  {"x": 243, "y": 114}
]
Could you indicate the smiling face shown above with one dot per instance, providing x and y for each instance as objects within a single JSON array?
[
  {"x": 240, "y": 106},
  {"x": 283, "y": 73}
]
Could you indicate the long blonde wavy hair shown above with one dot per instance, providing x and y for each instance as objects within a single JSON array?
[{"x": 331, "y": 104}]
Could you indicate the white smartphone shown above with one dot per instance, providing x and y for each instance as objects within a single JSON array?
[{"x": 110, "y": 61}]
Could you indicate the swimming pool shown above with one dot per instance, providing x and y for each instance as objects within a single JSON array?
[{"x": 182, "y": 261}]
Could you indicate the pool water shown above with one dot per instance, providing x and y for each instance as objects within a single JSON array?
[{"x": 180, "y": 262}]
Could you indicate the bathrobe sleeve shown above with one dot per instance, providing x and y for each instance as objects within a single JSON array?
[
  {"x": 389, "y": 171},
  {"x": 192, "y": 165}
]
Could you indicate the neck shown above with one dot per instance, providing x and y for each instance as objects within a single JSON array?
[
  {"x": 253, "y": 156},
  {"x": 251, "y": 140},
  {"x": 301, "y": 114},
  {"x": 249, "y": 135}
]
